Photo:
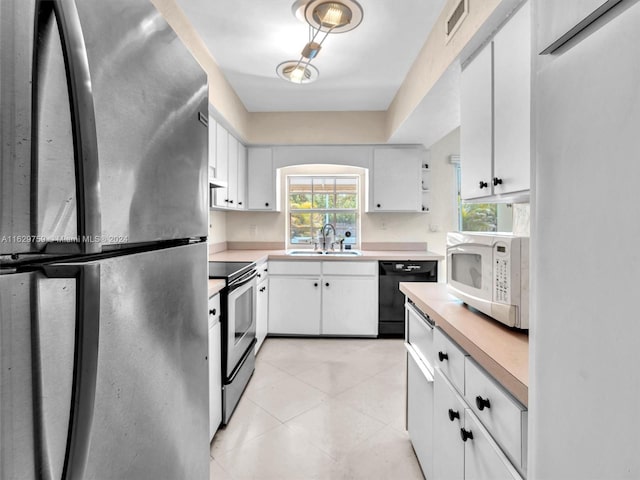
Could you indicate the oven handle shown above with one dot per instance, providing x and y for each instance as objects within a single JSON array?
[
  {"x": 243, "y": 280},
  {"x": 235, "y": 371}
]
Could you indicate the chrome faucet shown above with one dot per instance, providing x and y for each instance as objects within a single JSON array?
[{"x": 324, "y": 232}]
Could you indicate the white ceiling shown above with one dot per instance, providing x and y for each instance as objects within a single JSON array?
[{"x": 359, "y": 70}]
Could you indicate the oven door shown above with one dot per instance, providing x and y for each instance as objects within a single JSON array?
[
  {"x": 470, "y": 271},
  {"x": 241, "y": 319}
]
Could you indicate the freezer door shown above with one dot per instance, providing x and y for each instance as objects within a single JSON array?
[
  {"x": 151, "y": 416},
  {"x": 104, "y": 135},
  {"x": 48, "y": 363},
  {"x": 104, "y": 369}
]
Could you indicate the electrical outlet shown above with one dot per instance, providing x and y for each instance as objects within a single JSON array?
[{"x": 383, "y": 225}]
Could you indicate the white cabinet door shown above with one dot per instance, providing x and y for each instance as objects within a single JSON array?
[
  {"x": 512, "y": 104},
  {"x": 483, "y": 459},
  {"x": 233, "y": 172},
  {"x": 222, "y": 165},
  {"x": 261, "y": 179},
  {"x": 262, "y": 312},
  {"x": 349, "y": 305},
  {"x": 476, "y": 146},
  {"x": 295, "y": 305},
  {"x": 241, "y": 201},
  {"x": 215, "y": 366},
  {"x": 448, "y": 419},
  {"x": 420, "y": 412},
  {"x": 396, "y": 180}
]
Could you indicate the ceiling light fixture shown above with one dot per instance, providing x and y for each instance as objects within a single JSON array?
[{"x": 322, "y": 16}]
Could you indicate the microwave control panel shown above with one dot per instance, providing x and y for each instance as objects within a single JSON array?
[{"x": 501, "y": 274}]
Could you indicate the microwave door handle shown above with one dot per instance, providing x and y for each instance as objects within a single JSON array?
[
  {"x": 85, "y": 363},
  {"x": 85, "y": 141}
]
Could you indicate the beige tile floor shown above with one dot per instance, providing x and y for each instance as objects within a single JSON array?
[{"x": 320, "y": 409}]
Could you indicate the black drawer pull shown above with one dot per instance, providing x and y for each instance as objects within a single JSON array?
[
  {"x": 212, "y": 311},
  {"x": 326, "y": 284},
  {"x": 453, "y": 414},
  {"x": 466, "y": 434},
  {"x": 481, "y": 403},
  {"x": 443, "y": 356}
]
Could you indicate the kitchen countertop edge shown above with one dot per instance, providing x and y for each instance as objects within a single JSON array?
[
  {"x": 484, "y": 339},
  {"x": 367, "y": 255}
]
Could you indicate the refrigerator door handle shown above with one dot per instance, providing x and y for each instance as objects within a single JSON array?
[
  {"x": 85, "y": 363},
  {"x": 85, "y": 142}
]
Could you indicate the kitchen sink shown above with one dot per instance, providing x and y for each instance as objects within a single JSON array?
[{"x": 313, "y": 253}]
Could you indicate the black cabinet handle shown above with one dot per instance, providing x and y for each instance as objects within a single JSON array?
[
  {"x": 212, "y": 311},
  {"x": 266, "y": 204},
  {"x": 230, "y": 201},
  {"x": 226, "y": 200},
  {"x": 453, "y": 414},
  {"x": 481, "y": 403},
  {"x": 326, "y": 284},
  {"x": 497, "y": 181},
  {"x": 443, "y": 356},
  {"x": 259, "y": 276},
  {"x": 263, "y": 289},
  {"x": 266, "y": 270},
  {"x": 378, "y": 205},
  {"x": 239, "y": 203},
  {"x": 483, "y": 185},
  {"x": 466, "y": 434},
  {"x": 315, "y": 284}
]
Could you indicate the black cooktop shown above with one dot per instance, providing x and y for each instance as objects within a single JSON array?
[{"x": 229, "y": 270}]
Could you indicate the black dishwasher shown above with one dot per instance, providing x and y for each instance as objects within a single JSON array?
[{"x": 391, "y": 299}]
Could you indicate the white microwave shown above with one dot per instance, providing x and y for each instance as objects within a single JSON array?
[{"x": 490, "y": 272}]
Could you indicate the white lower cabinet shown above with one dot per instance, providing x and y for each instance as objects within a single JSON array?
[
  {"x": 348, "y": 307},
  {"x": 215, "y": 367},
  {"x": 323, "y": 298},
  {"x": 262, "y": 305},
  {"x": 448, "y": 420},
  {"x": 294, "y": 305},
  {"x": 463, "y": 447},
  {"x": 420, "y": 409},
  {"x": 478, "y": 429},
  {"x": 483, "y": 458}
]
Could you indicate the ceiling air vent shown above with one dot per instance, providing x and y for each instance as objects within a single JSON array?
[{"x": 456, "y": 17}]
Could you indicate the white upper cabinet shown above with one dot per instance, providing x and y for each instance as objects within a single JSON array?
[
  {"x": 241, "y": 178},
  {"x": 262, "y": 180},
  {"x": 476, "y": 136},
  {"x": 230, "y": 169},
  {"x": 396, "y": 182},
  {"x": 232, "y": 174},
  {"x": 512, "y": 104},
  {"x": 221, "y": 197},
  {"x": 495, "y": 111}
]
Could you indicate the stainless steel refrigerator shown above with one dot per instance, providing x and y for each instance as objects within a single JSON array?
[{"x": 103, "y": 224}]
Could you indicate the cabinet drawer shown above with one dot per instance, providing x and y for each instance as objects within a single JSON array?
[
  {"x": 214, "y": 310},
  {"x": 295, "y": 268},
  {"x": 263, "y": 271},
  {"x": 449, "y": 358},
  {"x": 420, "y": 333},
  {"x": 340, "y": 267},
  {"x": 503, "y": 416},
  {"x": 483, "y": 459}
]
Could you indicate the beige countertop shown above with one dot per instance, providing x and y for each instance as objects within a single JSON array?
[
  {"x": 259, "y": 255},
  {"x": 215, "y": 285},
  {"x": 500, "y": 350}
]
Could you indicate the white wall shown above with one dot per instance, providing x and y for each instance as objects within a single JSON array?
[{"x": 376, "y": 227}]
